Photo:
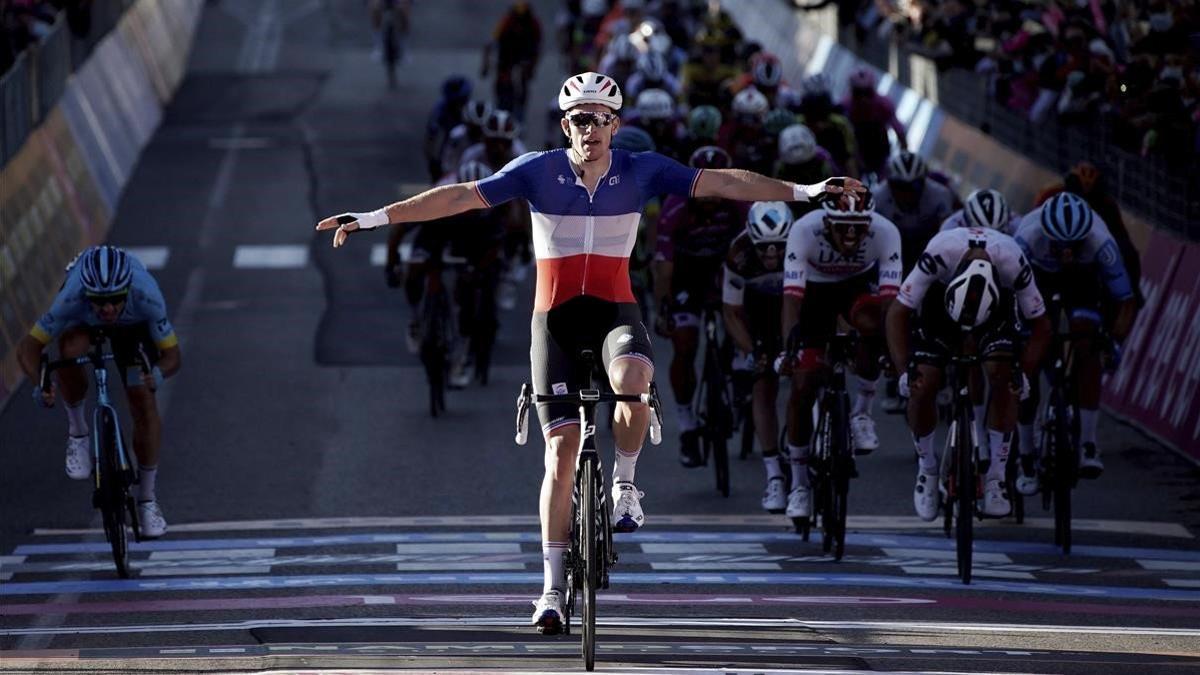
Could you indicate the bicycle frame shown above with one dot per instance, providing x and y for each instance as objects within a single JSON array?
[
  {"x": 1060, "y": 436},
  {"x": 832, "y": 458}
]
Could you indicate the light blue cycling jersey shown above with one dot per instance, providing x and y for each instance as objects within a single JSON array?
[
  {"x": 1098, "y": 249},
  {"x": 71, "y": 308}
]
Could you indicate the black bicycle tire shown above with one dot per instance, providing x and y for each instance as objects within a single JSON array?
[
  {"x": 842, "y": 456},
  {"x": 591, "y": 562},
  {"x": 1067, "y": 455},
  {"x": 720, "y": 451},
  {"x": 112, "y": 495},
  {"x": 965, "y": 495}
]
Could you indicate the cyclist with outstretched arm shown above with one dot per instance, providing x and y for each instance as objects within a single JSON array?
[{"x": 586, "y": 202}]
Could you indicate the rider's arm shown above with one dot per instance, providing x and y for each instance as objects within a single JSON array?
[
  {"x": 170, "y": 360},
  {"x": 1123, "y": 322},
  {"x": 897, "y": 327},
  {"x": 29, "y": 356},
  {"x": 674, "y": 211},
  {"x": 748, "y": 186},
  {"x": 1035, "y": 348},
  {"x": 733, "y": 293},
  {"x": 891, "y": 266},
  {"x": 795, "y": 279}
]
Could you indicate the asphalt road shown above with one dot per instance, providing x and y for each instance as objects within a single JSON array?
[{"x": 320, "y": 518}]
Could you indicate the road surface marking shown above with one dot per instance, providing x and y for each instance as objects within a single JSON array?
[
  {"x": 1183, "y": 583},
  {"x": 378, "y": 255},
  {"x": 216, "y": 569},
  {"x": 1162, "y": 529},
  {"x": 454, "y": 547},
  {"x": 228, "y": 553},
  {"x": 285, "y": 256},
  {"x": 950, "y": 570},
  {"x": 457, "y": 566},
  {"x": 713, "y": 547},
  {"x": 1174, "y": 565},
  {"x": 717, "y": 566},
  {"x": 153, "y": 257},
  {"x": 927, "y": 554}
]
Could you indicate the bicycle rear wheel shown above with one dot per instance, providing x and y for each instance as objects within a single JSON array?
[
  {"x": 720, "y": 453},
  {"x": 589, "y": 549},
  {"x": 965, "y": 486},
  {"x": 111, "y": 496},
  {"x": 1065, "y": 461},
  {"x": 839, "y": 467}
]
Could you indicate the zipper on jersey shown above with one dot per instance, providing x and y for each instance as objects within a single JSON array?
[{"x": 589, "y": 225}]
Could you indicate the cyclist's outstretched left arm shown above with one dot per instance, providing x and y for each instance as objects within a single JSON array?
[{"x": 748, "y": 186}]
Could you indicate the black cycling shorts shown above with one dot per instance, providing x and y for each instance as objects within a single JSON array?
[
  {"x": 613, "y": 330},
  {"x": 695, "y": 284},
  {"x": 1080, "y": 288},
  {"x": 468, "y": 236},
  {"x": 125, "y": 341},
  {"x": 824, "y": 302},
  {"x": 764, "y": 319},
  {"x": 935, "y": 337}
]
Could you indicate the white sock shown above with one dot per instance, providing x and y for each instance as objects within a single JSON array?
[
  {"x": 147, "y": 475},
  {"x": 625, "y": 465},
  {"x": 771, "y": 464},
  {"x": 77, "y": 418},
  {"x": 927, "y": 458},
  {"x": 980, "y": 431},
  {"x": 553, "y": 577},
  {"x": 1000, "y": 443},
  {"x": 798, "y": 458},
  {"x": 864, "y": 397},
  {"x": 684, "y": 414},
  {"x": 1087, "y": 425},
  {"x": 1025, "y": 434}
]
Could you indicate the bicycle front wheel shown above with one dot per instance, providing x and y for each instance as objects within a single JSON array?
[
  {"x": 720, "y": 454},
  {"x": 589, "y": 549},
  {"x": 1065, "y": 463},
  {"x": 111, "y": 496},
  {"x": 965, "y": 497}
]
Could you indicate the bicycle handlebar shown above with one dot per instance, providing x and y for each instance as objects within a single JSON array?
[{"x": 527, "y": 397}]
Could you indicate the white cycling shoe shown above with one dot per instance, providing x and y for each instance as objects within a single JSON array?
[
  {"x": 548, "y": 613},
  {"x": 800, "y": 502},
  {"x": 627, "y": 513},
  {"x": 1090, "y": 465},
  {"x": 774, "y": 500},
  {"x": 79, "y": 457},
  {"x": 151, "y": 523},
  {"x": 862, "y": 433},
  {"x": 1027, "y": 482},
  {"x": 995, "y": 499},
  {"x": 926, "y": 497}
]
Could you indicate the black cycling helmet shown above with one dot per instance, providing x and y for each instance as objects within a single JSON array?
[
  {"x": 456, "y": 87},
  {"x": 710, "y": 157}
]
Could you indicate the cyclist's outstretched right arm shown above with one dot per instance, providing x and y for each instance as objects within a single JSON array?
[{"x": 439, "y": 202}]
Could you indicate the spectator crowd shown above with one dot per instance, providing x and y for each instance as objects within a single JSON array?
[
  {"x": 1129, "y": 68},
  {"x": 24, "y": 22}
]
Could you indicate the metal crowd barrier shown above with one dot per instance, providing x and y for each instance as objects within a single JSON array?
[
  {"x": 38, "y": 77},
  {"x": 1167, "y": 195}
]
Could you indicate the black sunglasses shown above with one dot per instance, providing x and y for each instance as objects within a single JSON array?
[
  {"x": 843, "y": 227},
  {"x": 103, "y": 300},
  {"x": 583, "y": 119}
]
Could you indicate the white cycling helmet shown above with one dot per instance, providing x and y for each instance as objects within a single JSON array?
[
  {"x": 473, "y": 171},
  {"x": 652, "y": 66},
  {"x": 849, "y": 207},
  {"x": 986, "y": 209},
  {"x": 797, "y": 144},
  {"x": 476, "y": 112},
  {"x": 751, "y": 101},
  {"x": 589, "y": 87},
  {"x": 907, "y": 167},
  {"x": 769, "y": 222},
  {"x": 655, "y": 104},
  {"x": 501, "y": 124},
  {"x": 972, "y": 295}
]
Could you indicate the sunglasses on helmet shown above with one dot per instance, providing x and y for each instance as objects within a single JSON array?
[{"x": 583, "y": 119}]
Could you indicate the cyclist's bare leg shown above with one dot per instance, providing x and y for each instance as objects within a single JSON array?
[
  {"x": 685, "y": 341},
  {"x": 1002, "y": 415},
  {"x": 562, "y": 447},
  {"x": 800, "y": 403},
  {"x": 1087, "y": 363},
  {"x": 147, "y": 425},
  {"x": 922, "y": 400},
  {"x": 766, "y": 420},
  {"x": 630, "y": 420},
  {"x": 72, "y": 381}
]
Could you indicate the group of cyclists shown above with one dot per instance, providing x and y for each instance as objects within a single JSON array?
[{"x": 721, "y": 190}]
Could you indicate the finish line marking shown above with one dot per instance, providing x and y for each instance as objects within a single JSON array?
[
  {"x": 632, "y": 579},
  {"x": 1156, "y": 528},
  {"x": 625, "y": 622}
]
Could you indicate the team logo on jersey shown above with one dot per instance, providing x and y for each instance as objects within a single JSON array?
[
  {"x": 625, "y": 339},
  {"x": 929, "y": 263},
  {"x": 559, "y": 388},
  {"x": 894, "y": 257},
  {"x": 562, "y": 180},
  {"x": 1024, "y": 277},
  {"x": 1108, "y": 255},
  {"x": 614, "y": 181}
]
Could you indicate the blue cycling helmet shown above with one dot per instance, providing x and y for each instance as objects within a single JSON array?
[
  {"x": 1066, "y": 217},
  {"x": 633, "y": 139},
  {"x": 456, "y": 87},
  {"x": 105, "y": 270}
]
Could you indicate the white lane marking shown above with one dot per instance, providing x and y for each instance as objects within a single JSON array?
[
  {"x": 455, "y": 547},
  {"x": 212, "y": 570},
  {"x": 378, "y": 255},
  {"x": 953, "y": 571},
  {"x": 715, "y": 566},
  {"x": 932, "y": 554},
  {"x": 894, "y": 626},
  {"x": 285, "y": 256},
  {"x": 153, "y": 257},
  {"x": 1180, "y": 565},
  {"x": 1161, "y": 529},
  {"x": 458, "y": 566},
  {"x": 1183, "y": 583},
  {"x": 233, "y": 143},
  {"x": 705, "y": 547},
  {"x": 215, "y": 553}
]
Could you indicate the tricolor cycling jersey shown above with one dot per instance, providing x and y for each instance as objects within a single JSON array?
[
  {"x": 744, "y": 271},
  {"x": 811, "y": 256},
  {"x": 1099, "y": 248},
  {"x": 583, "y": 241},
  {"x": 957, "y": 220},
  {"x": 71, "y": 308},
  {"x": 941, "y": 258}
]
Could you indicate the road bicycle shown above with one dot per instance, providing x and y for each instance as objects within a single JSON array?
[
  {"x": 114, "y": 471},
  {"x": 591, "y": 554},
  {"x": 831, "y": 462},
  {"x": 1059, "y": 471},
  {"x": 960, "y": 466},
  {"x": 714, "y": 403}
]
